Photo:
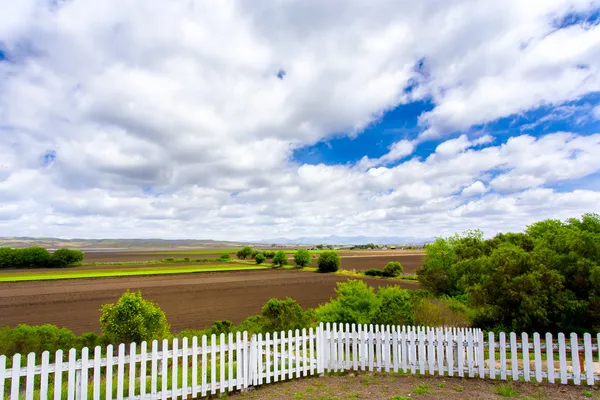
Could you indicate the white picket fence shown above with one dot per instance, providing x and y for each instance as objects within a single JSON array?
[{"x": 228, "y": 363}]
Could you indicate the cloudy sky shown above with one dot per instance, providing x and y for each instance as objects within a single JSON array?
[{"x": 284, "y": 118}]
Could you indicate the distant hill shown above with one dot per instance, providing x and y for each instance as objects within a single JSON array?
[
  {"x": 350, "y": 240},
  {"x": 52, "y": 243}
]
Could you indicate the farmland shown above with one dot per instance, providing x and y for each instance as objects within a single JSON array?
[{"x": 189, "y": 300}]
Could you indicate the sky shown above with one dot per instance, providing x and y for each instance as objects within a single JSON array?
[{"x": 248, "y": 120}]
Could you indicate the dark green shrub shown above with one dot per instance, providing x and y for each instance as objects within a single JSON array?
[
  {"x": 280, "y": 258},
  {"x": 254, "y": 253},
  {"x": 269, "y": 254},
  {"x": 25, "y": 339},
  {"x": 282, "y": 315},
  {"x": 225, "y": 257},
  {"x": 260, "y": 258},
  {"x": 302, "y": 257},
  {"x": 329, "y": 261},
  {"x": 244, "y": 252},
  {"x": 224, "y": 326},
  {"x": 133, "y": 319},
  {"x": 66, "y": 257},
  {"x": 356, "y": 302},
  {"x": 396, "y": 306},
  {"x": 35, "y": 257},
  {"x": 374, "y": 272},
  {"x": 393, "y": 268}
]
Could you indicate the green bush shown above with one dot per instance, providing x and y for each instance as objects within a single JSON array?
[
  {"x": 374, "y": 272},
  {"x": 356, "y": 302},
  {"x": 282, "y": 315},
  {"x": 244, "y": 252},
  {"x": 260, "y": 258},
  {"x": 133, "y": 319},
  {"x": 25, "y": 339},
  {"x": 328, "y": 261},
  {"x": 280, "y": 258},
  {"x": 225, "y": 257},
  {"x": 38, "y": 257},
  {"x": 224, "y": 326},
  {"x": 396, "y": 306},
  {"x": 393, "y": 269},
  {"x": 269, "y": 254},
  {"x": 302, "y": 257},
  {"x": 66, "y": 257}
]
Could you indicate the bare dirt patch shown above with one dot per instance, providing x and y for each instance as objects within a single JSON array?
[
  {"x": 390, "y": 386},
  {"x": 191, "y": 301}
]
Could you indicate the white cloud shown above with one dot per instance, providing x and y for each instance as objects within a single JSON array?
[{"x": 168, "y": 119}]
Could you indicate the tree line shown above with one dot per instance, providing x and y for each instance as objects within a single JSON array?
[{"x": 38, "y": 257}]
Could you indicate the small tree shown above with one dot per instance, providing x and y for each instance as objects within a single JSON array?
[
  {"x": 225, "y": 257},
  {"x": 302, "y": 257},
  {"x": 269, "y": 254},
  {"x": 280, "y": 258},
  {"x": 282, "y": 315},
  {"x": 244, "y": 252},
  {"x": 393, "y": 268},
  {"x": 133, "y": 319},
  {"x": 66, "y": 257},
  {"x": 329, "y": 261},
  {"x": 260, "y": 258},
  {"x": 35, "y": 257}
]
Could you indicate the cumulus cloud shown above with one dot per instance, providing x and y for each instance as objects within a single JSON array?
[{"x": 175, "y": 119}]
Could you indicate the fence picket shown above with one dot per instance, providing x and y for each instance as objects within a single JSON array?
[
  {"x": 470, "y": 362},
  {"x": 259, "y": 360},
  {"x": 238, "y": 358},
  {"x": 163, "y": 368},
  {"x": 14, "y": 382},
  {"x": 245, "y": 363},
  {"x": 195, "y": 367},
  {"x": 354, "y": 348},
  {"x": 589, "y": 360},
  {"x": 503, "y": 356},
  {"x": 562, "y": 354},
  {"x": 491, "y": 355},
  {"x": 363, "y": 347},
  {"x": 514, "y": 356},
  {"x": 449, "y": 352},
  {"x": 440, "y": 351},
  {"x": 290, "y": 354},
  {"x": 422, "y": 355},
  {"x": 70, "y": 375},
  {"x": 121, "y": 370},
  {"x": 143, "y": 365},
  {"x": 347, "y": 358},
  {"x": 378, "y": 348},
  {"x": 30, "y": 376},
  {"x": 549, "y": 357},
  {"x": 213, "y": 364},
  {"x": 396, "y": 364},
  {"x": 184, "y": 368},
  {"x": 132, "y": 352},
  {"x": 275, "y": 357},
  {"x": 153, "y": 369},
  {"x": 537, "y": 351},
  {"x": 298, "y": 354},
  {"x": 430, "y": 352},
  {"x": 306, "y": 361},
  {"x": 43, "y": 377},
  {"x": 575, "y": 359},
  {"x": 370, "y": 348},
  {"x": 311, "y": 347},
  {"x": 525, "y": 350}
]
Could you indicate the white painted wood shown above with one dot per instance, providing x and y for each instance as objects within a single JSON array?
[
  {"x": 537, "y": 353},
  {"x": 347, "y": 357},
  {"x": 174, "y": 369},
  {"x": 378, "y": 347},
  {"x": 30, "y": 376},
  {"x": 354, "y": 338},
  {"x": 396, "y": 364},
  {"x": 213, "y": 364},
  {"x": 121, "y": 370},
  {"x": 371, "y": 349},
  {"x": 164, "y": 370},
  {"x": 387, "y": 345},
  {"x": 492, "y": 355},
  {"x": 70, "y": 375},
  {"x": 404, "y": 349},
  {"x": 58, "y": 371},
  {"x": 430, "y": 352},
  {"x": 297, "y": 339},
  {"x": 575, "y": 359},
  {"x": 449, "y": 352},
  {"x": 525, "y": 350},
  {"x": 340, "y": 346},
  {"x": 306, "y": 361},
  {"x": 589, "y": 360},
  {"x": 185, "y": 387},
  {"x": 3, "y": 375},
  {"x": 223, "y": 359},
  {"x": 460, "y": 353},
  {"x": 238, "y": 358},
  {"x": 143, "y": 365},
  {"x": 268, "y": 354},
  {"x": 412, "y": 345},
  {"x": 514, "y": 356},
  {"x": 290, "y": 354},
  {"x": 327, "y": 348},
  {"x": 470, "y": 363},
  {"x": 15, "y": 381},
  {"x": 132, "y": 353},
  {"x": 481, "y": 354},
  {"x": 43, "y": 376},
  {"x": 503, "y": 366},
  {"x": 275, "y": 357},
  {"x": 562, "y": 354},
  {"x": 153, "y": 369},
  {"x": 244, "y": 358},
  {"x": 311, "y": 346},
  {"x": 440, "y": 351},
  {"x": 283, "y": 370},
  {"x": 109, "y": 372},
  {"x": 422, "y": 355},
  {"x": 363, "y": 347},
  {"x": 331, "y": 347},
  {"x": 549, "y": 358}
]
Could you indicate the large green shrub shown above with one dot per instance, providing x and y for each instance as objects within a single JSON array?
[
  {"x": 280, "y": 258},
  {"x": 25, "y": 339},
  {"x": 282, "y": 315},
  {"x": 38, "y": 257},
  {"x": 244, "y": 252},
  {"x": 302, "y": 257},
  {"x": 133, "y": 319},
  {"x": 396, "y": 306},
  {"x": 393, "y": 269},
  {"x": 328, "y": 261},
  {"x": 66, "y": 257},
  {"x": 356, "y": 302},
  {"x": 260, "y": 258}
]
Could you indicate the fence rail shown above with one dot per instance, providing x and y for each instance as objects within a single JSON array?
[{"x": 227, "y": 363}]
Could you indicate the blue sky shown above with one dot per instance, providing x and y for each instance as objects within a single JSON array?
[{"x": 248, "y": 121}]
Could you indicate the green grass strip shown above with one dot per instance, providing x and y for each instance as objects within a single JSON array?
[{"x": 112, "y": 273}]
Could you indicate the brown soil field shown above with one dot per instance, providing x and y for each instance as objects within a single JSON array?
[
  {"x": 126, "y": 256},
  {"x": 362, "y": 263},
  {"x": 390, "y": 386},
  {"x": 191, "y": 301}
]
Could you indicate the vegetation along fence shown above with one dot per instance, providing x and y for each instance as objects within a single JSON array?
[{"x": 226, "y": 363}]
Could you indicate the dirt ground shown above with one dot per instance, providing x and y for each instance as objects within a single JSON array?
[
  {"x": 390, "y": 386},
  {"x": 192, "y": 301}
]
